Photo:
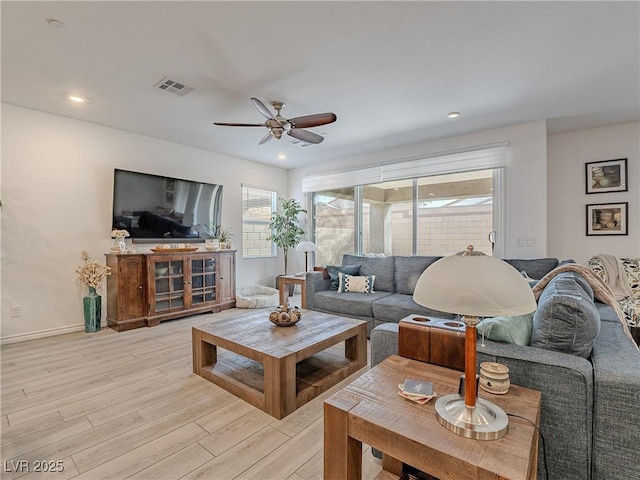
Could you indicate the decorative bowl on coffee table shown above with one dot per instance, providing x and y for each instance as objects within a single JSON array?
[{"x": 284, "y": 316}]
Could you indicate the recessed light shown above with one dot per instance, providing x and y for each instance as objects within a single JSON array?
[
  {"x": 282, "y": 156},
  {"x": 76, "y": 98},
  {"x": 454, "y": 115},
  {"x": 55, "y": 23}
]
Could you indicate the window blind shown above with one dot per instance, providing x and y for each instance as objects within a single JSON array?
[{"x": 478, "y": 158}]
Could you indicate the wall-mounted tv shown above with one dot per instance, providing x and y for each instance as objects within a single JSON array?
[{"x": 158, "y": 207}]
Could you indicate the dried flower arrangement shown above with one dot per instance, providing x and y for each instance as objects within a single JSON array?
[
  {"x": 91, "y": 273},
  {"x": 119, "y": 233}
]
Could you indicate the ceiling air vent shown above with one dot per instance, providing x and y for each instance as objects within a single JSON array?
[{"x": 172, "y": 86}]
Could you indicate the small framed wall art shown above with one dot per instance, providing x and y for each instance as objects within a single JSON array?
[
  {"x": 607, "y": 176},
  {"x": 608, "y": 219}
]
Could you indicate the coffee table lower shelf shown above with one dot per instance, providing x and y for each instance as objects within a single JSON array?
[{"x": 246, "y": 378}]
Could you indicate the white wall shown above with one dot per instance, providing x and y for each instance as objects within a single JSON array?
[
  {"x": 567, "y": 198},
  {"x": 526, "y": 178},
  {"x": 57, "y": 177}
]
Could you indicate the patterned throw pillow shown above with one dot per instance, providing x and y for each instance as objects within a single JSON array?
[
  {"x": 632, "y": 269},
  {"x": 352, "y": 283}
]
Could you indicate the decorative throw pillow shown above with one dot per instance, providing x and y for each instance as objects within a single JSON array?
[
  {"x": 334, "y": 270},
  {"x": 516, "y": 329},
  {"x": 352, "y": 283},
  {"x": 566, "y": 319}
]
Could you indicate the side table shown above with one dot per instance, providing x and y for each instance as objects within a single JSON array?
[
  {"x": 370, "y": 410},
  {"x": 284, "y": 280}
]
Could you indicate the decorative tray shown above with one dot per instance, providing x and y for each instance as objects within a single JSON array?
[{"x": 174, "y": 250}]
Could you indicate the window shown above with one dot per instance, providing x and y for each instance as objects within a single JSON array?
[
  {"x": 257, "y": 205},
  {"x": 335, "y": 221},
  {"x": 434, "y": 215},
  {"x": 455, "y": 210},
  {"x": 434, "y": 205},
  {"x": 388, "y": 218}
]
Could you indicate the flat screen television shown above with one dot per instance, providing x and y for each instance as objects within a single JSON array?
[{"x": 158, "y": 207}]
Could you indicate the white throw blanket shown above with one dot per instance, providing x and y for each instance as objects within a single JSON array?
[{"x": 616, "y": 278}]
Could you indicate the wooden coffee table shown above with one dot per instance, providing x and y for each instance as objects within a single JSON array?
[
  {"x": 278, "y": 369},
  {"x": 370, "y": 410}
]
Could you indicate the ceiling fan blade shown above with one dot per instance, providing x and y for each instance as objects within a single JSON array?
[
  {"x": 266, "y": 138},
  {"x": 222, "y": 124},
  {"x": 305, "y": 135},
  {"x": 262, "y": 108},
  {"x": 316, "y": 120}
]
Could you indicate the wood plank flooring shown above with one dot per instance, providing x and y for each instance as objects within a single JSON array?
[{"x": 126, "y": 405}]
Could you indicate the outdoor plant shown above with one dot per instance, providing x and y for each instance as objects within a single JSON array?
[{"x": 286, "y": 233}]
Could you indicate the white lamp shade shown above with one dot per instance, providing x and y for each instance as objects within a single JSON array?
[
  {"x": 475, "y": 285},
  {"x": 306, "y": 246}
]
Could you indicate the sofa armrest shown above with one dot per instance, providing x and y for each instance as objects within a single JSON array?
[
  {"x": 384, "y": 342},
  {"x": 315, "y": 282},
  {"x": 566, "y": 413},
  {"x": 616, "y": 366}
]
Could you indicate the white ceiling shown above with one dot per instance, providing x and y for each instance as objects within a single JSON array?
[{"x": 391, "y": 71}]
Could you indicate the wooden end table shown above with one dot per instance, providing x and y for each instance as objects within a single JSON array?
[
  {"x": 370, "y": 410},
  {"x": 284, "y": 280},
  {"x": 278, "y": 369}
]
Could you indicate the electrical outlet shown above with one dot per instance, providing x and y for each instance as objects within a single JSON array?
[
  {"x": 525, "y": 241},
  {"x": 15, "y": 311}
]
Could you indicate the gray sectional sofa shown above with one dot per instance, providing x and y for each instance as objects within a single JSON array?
[
  {"x": 590, "y": 414},
  {"x": 392, "y": 299}
]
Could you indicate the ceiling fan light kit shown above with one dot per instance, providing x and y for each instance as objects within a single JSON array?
[{"x": 279, "y": 125}]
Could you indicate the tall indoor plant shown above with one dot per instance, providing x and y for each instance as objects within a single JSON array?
[{"x": 286, "y": 233}]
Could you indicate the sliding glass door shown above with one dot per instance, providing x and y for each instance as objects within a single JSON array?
[
  {"x": 335, "y": 225},
  {"x": 435, "y": 215}
]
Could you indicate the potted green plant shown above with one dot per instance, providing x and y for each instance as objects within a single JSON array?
[
  {"x": 286, "y": 233},
  {"x": 224, "y": 235}
]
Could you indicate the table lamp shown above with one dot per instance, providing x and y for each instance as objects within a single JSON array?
[
  {"x": 473, "y": 285},
  {"x": 306, "y": 247}
]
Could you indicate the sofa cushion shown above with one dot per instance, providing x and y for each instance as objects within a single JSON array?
[
  {"x": 334, "y": 270},
  {"x": 516, "y": 329},
  {"x": 353, "y": 283},
  {"x": 395, "y": 307},
  {"x": 535, "y": 268},
  {"x": 566, "y": 319},
  {"x": 349, "y": 303},
  {"x": 381, "y": 267},
  {"x": 408, "y": 271}
]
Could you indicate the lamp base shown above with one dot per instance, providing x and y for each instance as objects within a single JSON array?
[{"x": 485, "y": 421}]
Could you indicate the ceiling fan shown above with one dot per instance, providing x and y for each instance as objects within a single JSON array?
[{"x": 278, "y": 125}]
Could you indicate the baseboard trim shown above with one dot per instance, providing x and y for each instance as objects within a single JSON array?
[{"x": 52, "y": 332}]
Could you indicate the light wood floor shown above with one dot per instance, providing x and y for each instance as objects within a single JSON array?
[{"x": 127, "y": 405}]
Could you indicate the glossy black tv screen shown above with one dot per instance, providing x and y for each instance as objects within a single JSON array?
[{"x": 158, "y": 207}]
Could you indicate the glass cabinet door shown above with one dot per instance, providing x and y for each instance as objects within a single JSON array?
[
  {"x": 203, "y": 280},
  {"x": 169, "y": 285}
]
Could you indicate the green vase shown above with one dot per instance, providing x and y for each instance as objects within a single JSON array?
[{"x": 92, "y": 311}]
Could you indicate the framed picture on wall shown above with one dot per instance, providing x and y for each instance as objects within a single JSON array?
[
  {"x": 608, "y": 219},
  {"x": 607, "y": 176}
]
